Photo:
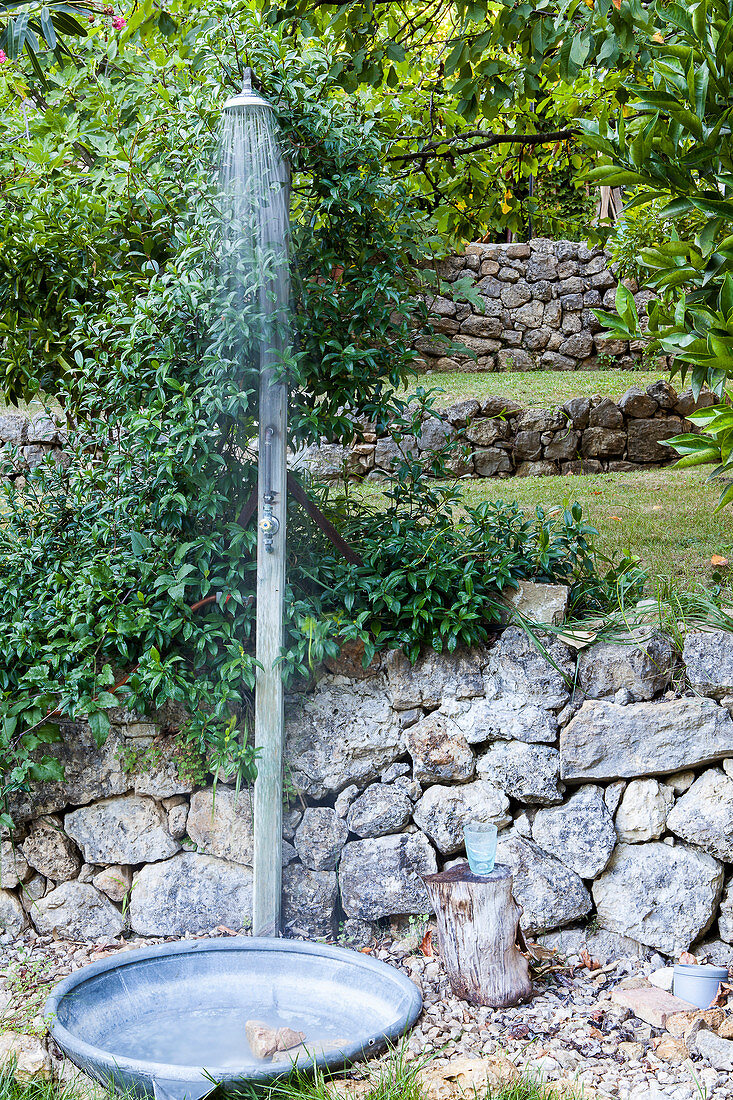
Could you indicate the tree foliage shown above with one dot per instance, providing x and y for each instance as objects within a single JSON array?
[{"x": 673, "y": 146}]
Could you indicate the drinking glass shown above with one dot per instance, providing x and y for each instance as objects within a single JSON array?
[{"x": 480, "y": 839}]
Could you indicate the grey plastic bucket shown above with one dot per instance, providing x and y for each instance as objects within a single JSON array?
[
  {"x": 697, "y": 983},
  {"x": 113, "y": 1018}
]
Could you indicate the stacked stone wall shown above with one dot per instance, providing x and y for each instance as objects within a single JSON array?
[
  {"x": 538, "y": 301},
  {"x": 609, "y": 773},
  {"x": 496, "y": 437}
]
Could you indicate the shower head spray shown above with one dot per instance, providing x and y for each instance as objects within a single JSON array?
[{"x": 247, "y": 97}]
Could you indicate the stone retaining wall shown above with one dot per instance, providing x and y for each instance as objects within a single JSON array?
[
  {"x": 608, "y": 773},
  {"x": 538, "y": 309},
  {"x": 496, "y": 437},
  {"x": 26, "y": 441}
]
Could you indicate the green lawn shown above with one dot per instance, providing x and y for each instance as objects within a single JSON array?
[
  {"x": 542, "y": 389},
  {"x": 663, "y": 515}
]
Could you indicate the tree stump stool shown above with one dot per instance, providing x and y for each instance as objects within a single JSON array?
[{"x": 477, "y": 935}]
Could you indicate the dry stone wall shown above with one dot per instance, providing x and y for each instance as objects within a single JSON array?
[
  {"x": 608, "y": 772},
  {"x": 538, "y": 302},
  {"x": 27, "y": 441},
  {"x": 496, "y": 437}
]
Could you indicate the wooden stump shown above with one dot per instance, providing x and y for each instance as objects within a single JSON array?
[{"x": 477, "y": 935}]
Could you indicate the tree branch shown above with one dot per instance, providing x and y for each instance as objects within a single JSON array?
[{"x": 431, "y": 150}]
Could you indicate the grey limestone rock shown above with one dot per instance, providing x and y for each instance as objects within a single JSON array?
[
  {"x": 221, "y": 823},
  {"x": 529, "y": 773},
  {"x": 320, "y": 837},
  {"x": 439, "y": 750},
  {"x": 190, "y": 893},
  {"x": 664, "y": 897},
  {"x": 708, "y": 660},
  {"x": 129, "y": 829},
  {"x": 607, "y": 741},
  {"x": 642, "y": 814},
  {"x": 13, "y": 917},
  {"x": 551, "y": 895},
  {"x": 309, "y": 901},
  {"x": 580, "y": 833},
  {"x": 381, "y": 877},
  {"x": 704, "y": 815},
  {"x": 643, "y": 668},
  {"x": 381, "y": 809},
  {"x": 49, "y": 850},
  {"x": 442, "y": 812},
  {"x": 326, "y": 750},
  {"x": 77, "y": 911}
]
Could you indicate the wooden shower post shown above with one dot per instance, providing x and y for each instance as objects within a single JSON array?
[{"x": 269, "y": 695}]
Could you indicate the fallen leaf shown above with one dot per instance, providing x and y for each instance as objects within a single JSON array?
[
  {"x": 718, "y": 559},
  {"x": 688, "y": 958},
  {"x": 426, "y": 944},
  {"x": 229, "y": 931},
  {"x": 588, "y": 962},
  {"x": 721, "y": 997}
]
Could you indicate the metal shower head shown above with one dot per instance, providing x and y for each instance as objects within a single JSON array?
[{"x": 247, "y": 97}]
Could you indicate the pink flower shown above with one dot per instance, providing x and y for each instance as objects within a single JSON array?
[
  {"x": 119, "y": 22},
  {"x": 3, "y": 57}
]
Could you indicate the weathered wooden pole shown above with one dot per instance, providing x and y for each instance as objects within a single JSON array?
[{"x": 477, "y": 935}]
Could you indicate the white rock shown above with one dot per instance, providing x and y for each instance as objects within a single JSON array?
[
  {"x": 663, "y": 978},
  {"x": 664, "y": 897},
  {"x": 190, "y": 893},
  {"x": 77, "y": 911},
  {"x": 380, "y": 810},
  {"x": 579, "y": 833},
  {"x": 517, "y": 667},
  {"x": 704, "y": 815},
  {"x": 725, "y": 917},
  {"x": 13, "y": 866},
  {"x": 612, "y": 795},
  {"x": 220, "y": 823},
  {"x": 442, "y": 812},
  {"x": 508, "y": 718},
  {"x": 529, "y": 773},
  {"x": 308, "y": 901},
  {"x": 432, "y": 676},
  {"x": 642, "y": 814}
]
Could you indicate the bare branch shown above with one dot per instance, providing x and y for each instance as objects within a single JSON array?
[{"x": 433, "y": 149}]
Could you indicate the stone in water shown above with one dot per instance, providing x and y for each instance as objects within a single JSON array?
[{"x": 264, "y": 1041}]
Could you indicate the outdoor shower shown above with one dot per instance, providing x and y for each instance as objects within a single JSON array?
[
  {"x": 255, "y": 213},
  {"x": 170, "y": 1022}
]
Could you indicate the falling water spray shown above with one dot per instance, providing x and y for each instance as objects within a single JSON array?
[{"x": 255, "y": 282}]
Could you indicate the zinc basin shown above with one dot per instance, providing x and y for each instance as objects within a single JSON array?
[{"x": 169, "y": 1021}]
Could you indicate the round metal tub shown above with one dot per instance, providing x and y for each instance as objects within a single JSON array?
[{"x": 168, "y": 1021}]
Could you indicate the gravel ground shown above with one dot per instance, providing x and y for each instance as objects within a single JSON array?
[{"x": 569, "y": 1031}]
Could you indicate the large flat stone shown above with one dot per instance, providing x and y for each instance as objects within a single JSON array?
[
  {"x": 550, "y": 894},
  {"x": 517, "y": 667},
  {"x": 382, "y": 877},
  {"x": 664, "y": 897},
  {"x": 507, "y": 718},
  {"x": 652, "y": 1005},
  {"x": 607, "y": 741},
  {"x": 328, "y": 746},
  {"x": 190, "y": 893},
  {"x": 131, "y": 829},
  {"x": 434, "y": 674}
]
